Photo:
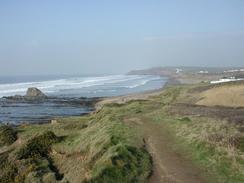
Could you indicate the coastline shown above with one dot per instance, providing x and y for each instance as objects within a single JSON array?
[
  {"x": 21, "y": 109},
  {"x": 47, "y": 109},
  {"x": 156, "y": 126},
  {"x": 127, "y": 98},
  {"x": 171, "y": 81}
]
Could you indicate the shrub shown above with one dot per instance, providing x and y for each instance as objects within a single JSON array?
[
  {"x": 37, "y": 146},
  {"x": 130, "y": 165},
  {"x": 7, "y": 135},
  {"x": 240, "y": 144},
  {"x": 185, "y": 119},
  {"x": 8, "y": 170}
]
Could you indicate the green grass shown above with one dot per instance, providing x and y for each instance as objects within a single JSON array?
[
  {"x": 111, "y": 150},
  {"x": 37, "y": 146},
  {"x": 127, "y": 164},
  {"x": 101, "y": 148},
  {"x": 7, "y": 170},
  {"x": 213, "y": 145},
  {"x": 210, "y": 147}
]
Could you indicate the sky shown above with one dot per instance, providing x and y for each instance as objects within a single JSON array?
[{"x": 115, "y": 36}]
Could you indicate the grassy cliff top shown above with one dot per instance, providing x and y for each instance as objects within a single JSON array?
[{"x": 113, "y": 144}]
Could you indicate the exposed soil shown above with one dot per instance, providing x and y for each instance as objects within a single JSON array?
[{"x": 169, "y": 166}]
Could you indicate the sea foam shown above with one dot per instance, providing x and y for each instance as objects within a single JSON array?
[{"x": 78, "y": 84}]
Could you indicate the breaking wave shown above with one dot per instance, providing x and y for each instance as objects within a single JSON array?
[{"x": 81, "y": 86}]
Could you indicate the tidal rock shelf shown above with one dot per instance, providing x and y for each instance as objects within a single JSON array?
[{"x": 36, "y": 107}]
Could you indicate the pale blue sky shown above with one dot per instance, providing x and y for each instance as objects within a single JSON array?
[{"x": 113, "y": 36}]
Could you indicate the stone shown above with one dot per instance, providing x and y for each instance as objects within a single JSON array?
[
  {"x": 35, "y": 93},
  {"x": 54, "y": 121}
]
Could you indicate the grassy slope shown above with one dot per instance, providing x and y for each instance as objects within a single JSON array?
[
  {"x": 228, "y": 95},
  {"x": 101, "y": 148},
  {"x": 96, "y": 148},
  {"x": 214, "y": 145}
]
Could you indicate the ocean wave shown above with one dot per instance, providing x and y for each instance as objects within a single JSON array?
[
  {"x": 139, "y": 84},
  {"x": 102, "y": 83}
]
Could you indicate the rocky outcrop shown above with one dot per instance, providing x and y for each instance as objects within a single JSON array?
[
  {"x": 32, "y": 94},
  {"x": 35, "y": 93}
]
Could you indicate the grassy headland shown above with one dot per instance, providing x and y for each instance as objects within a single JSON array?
[
  {"x": 111, "y": 145},
  {"x": 93, "y": 148}
]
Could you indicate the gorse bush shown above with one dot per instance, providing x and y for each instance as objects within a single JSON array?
[
  {"x": 8, "y": 170},
  {"x": 129, "y": 165},
  {"x": 37, "y": 146},
  {"x": 7, "y": 135}
]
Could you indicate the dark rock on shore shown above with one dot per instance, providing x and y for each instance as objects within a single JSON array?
[
  {"x": 35, "y": 92},
  {"x": 36, "y": 107},
  {"x": 32, "y": 94}
]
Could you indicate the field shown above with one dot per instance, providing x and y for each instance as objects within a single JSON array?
[
  {"x": 228, "y": 95},
  {"x": 162, "y": 137}
]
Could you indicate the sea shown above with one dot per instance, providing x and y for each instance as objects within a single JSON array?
[{"x": 66, "y": 87}]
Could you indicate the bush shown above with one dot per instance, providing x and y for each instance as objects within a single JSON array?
[
  {"x": 37, "y": 146},
  {"x": 7, "y": 135},
  {"x": 185, "y": 119},
  {"x": 240, "y": 144},
  {"x": 8, "y": 170},
  {"x": 130, "y": 165}
]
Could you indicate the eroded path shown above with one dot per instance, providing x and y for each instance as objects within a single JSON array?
[{"x": 169, "y": 166}]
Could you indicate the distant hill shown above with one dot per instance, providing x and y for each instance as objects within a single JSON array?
[
  {"x": 193, "y": 74},
  {"x": 185, "y": 69}
]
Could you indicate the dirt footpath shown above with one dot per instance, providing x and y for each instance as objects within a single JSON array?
[{"x": 169, "y": 166}]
